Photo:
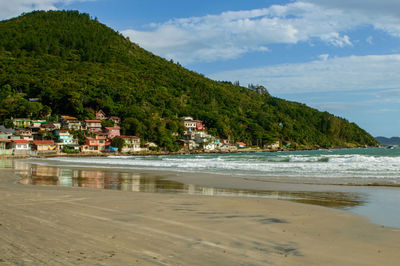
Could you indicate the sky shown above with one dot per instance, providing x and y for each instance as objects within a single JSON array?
[{"x": 340, "y": 56}]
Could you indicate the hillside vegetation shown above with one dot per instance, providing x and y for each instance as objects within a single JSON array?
[
  {"x": 76, "y": 65},
  {"x": 388, "y": 141}
]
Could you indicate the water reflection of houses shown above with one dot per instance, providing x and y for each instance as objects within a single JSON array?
[
  {"x": 6, "y": 163},
  {"x": 22, "y": 168},
  {"x": 112, "y": 181},
  {"x": 91, "y": 178},
  {"x": 130, "y": 182}
]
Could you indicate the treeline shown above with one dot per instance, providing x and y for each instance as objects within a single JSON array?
[{"x": 76, "y": 65}]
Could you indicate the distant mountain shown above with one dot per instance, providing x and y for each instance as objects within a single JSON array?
[
  {"x": 388, "y": 141},
  {"x": 75, "y": 65}
]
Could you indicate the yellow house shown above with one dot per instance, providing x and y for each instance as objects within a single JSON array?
[{"x": 44, "y": 145}]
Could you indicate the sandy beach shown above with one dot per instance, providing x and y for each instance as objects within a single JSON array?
[{"x": 48, "y": 225}]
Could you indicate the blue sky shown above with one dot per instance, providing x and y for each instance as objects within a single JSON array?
[{"x": 339, "y": 56}]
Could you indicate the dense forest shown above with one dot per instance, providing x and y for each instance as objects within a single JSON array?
[
  {"x": 76, "y": 65},
  {"x": 388, "y": 141}
]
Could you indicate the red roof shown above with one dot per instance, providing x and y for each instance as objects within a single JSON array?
[
  {"x": 97, "y": 137},
  {"x": 69, "y": 117},
  {"x": 5, "y": 140},
  {"x": 48, "y": 125},
  {"x": 129, "y": 137},
  {"x": 48, "y": 142},
  {"x": 20, "y": 141},
  {"x": 108, "y": 128},
  {"x": 93, "y": 121},
  {"x": 240, "y": 143}
]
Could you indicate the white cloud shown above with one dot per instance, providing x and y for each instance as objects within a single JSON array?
[
  {"x": 389, "y": 96},
  {"x": 370, "y": 7},
  {"x": 9, "y": 9},
  {"x": 323, "y": 57},
  {"x": 344, "y": 73},
  {"x": 231, "y": 34}
]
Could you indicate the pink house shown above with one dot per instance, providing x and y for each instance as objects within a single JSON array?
[
  {"x": 112, "y": 132},
  {"x": 98, "y": 143},
  {"x": 100, "y": 115},
  {"x": 199, "y": 125}
]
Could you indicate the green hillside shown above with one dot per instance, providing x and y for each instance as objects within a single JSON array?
[{"x": 76, "y": 65}]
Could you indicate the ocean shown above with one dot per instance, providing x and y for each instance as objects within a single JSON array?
[
  {"x": 378, "y": 166},
  {"x": 364, "y": 181}
]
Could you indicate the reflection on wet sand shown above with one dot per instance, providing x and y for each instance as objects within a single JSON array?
[{"x": 35, "y": 174}]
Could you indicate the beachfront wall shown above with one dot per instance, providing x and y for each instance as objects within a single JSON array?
[
  {"x": 3, "y": 147},
  {"x": 6, "y": 152}
]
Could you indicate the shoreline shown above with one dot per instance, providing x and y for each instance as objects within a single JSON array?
[
  {"x": 62, "y": 225},
  {"x": 163, "y": 153},
  {"x": 363, "y": 200}
]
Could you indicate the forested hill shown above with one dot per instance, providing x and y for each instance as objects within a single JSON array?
[
  {"x": 76, "y": 65},
  {"x": 388, "y": 141}
]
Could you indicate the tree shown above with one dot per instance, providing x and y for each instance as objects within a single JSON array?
[
  {"x": 107, "y": 123},
  {"x": 75, "y": 65},
  {"x": 118, "y": 142}
]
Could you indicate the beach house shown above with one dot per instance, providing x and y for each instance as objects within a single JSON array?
[
  {"x": 5, "y": 148},
  {"x": 131, "y": 143},
  {"x": 65, "y": 139},
  {"x": 241, "y": 144},
  {"x": 20, "y": 146},
  {"x": 37, "y": 123},
  {"x": 189, "y": 123},
  {"x": 21, "y": 122},
  {"x": 50, "y": 126},
  {"x": 70, "y": 122},
  {"x": 6, "y": 131},
  {"x": 93, "y": 125},
  {"x": 116, "y": 120},
  {"x": 44, "y": 145},
  {"x": 24, "y": 133},
  {"x": 275, "y": 145},
  {"x": 199, "y": 125},
  {"x": 112, "y": 132},
  {"x": 100, "y": 115},
  {"x": 97, "y": 144}
]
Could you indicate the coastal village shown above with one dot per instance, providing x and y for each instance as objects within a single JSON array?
[{"x": 29, "y": 137}]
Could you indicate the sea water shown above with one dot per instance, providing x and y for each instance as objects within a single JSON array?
[
  {"x": 339, "y": 178},
  {"x": 377, "y": 166}
]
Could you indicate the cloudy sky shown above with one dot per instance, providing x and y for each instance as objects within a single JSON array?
[{"x": 340, "y": 56}]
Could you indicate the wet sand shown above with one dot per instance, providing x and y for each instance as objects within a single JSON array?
[{"x": 53, "y": 225}]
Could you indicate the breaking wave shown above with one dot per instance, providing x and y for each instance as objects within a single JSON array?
[{"x": 355, "y": 166}]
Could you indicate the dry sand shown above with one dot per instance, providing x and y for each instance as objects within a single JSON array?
[{"x": 69, "y": 226}]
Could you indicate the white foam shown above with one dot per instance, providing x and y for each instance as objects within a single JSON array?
[{"x": 310, "y": 166}]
